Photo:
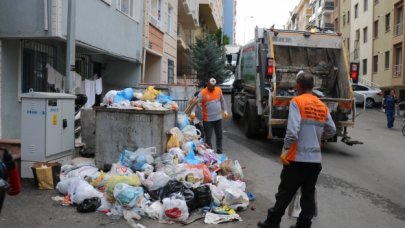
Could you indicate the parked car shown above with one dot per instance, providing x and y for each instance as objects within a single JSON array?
[
  {"x": 374, "y": 96},
  {"x": 227, "y": 85}
]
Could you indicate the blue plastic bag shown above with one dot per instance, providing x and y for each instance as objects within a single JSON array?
[
  {"x": 192, "y": 159},
  {"x": 164, "y": 99},
  {"x": 127, "y": 195},
  {"x": 182, "y": 121},
  {"x": 127, "y": 93}
]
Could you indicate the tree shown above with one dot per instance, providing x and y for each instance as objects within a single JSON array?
[
  {"x": 218, "y": 34},
  {"x": 208, "y": 59}
]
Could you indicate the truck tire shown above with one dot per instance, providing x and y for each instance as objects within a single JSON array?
[
  {"x": 235, "y": 116},
  {"x": 251, "y": 122}
]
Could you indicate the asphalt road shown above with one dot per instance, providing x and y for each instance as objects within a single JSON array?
[{"x": 359, "y": 186}]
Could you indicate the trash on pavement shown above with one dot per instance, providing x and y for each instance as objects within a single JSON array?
[{"x": 211, "y": 218}]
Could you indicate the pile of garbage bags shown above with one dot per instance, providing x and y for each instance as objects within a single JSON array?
[
  {"x": 149, "y": 99},
  {"x": 188, "y": 178}
]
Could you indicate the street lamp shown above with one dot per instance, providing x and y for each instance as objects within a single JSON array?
[{"x": 244, "y": 27}]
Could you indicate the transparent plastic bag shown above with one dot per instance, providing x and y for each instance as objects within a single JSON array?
[
  {"x": 237, "y": 171},
  {"x": 127, "y": 195},
  {"x": 174, "y": 209},
  {"x": 79, "y": 190},
  {"x": 235, "y": 198},
  {"x": 182, "y": 120},
  {"x": 156, "y": 180},
  {"x": 132, "y": 180},
  {"x": 190, "y": 133},
  {"x": 155, "y": 210}
]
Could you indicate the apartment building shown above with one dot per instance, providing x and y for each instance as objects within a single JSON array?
[
  {"x": 342, "y": 21},
  {"x": 398, "y": 79},
  {"x": 33, "y": 33},
  {"x": 361, "y": 35},
  {"x": 322, "y": 14},
  {"x": 186, "y": 34},
  {"x": 160, "y": 44},
  {"x": 299, "y": 17},
  {"x": 382, "y": 35}
]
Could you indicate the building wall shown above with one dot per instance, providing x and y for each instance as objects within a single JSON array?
[
  {"x": 92, "y": 19},
  {"x": 170, "y": 40},
  {"x": 10, "y": 106},
  {"x": 345, "y": 23},
  {"x": 382, "y": 43},
  {"x": 120, "y": 75},
  {"x": 229, "y": 19},
  {"x": 359, "y": 23}
]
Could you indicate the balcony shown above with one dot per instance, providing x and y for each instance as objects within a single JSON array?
[
  {"x": 328, "y": 26},
  {"x": 184, "y": 37},
  {"x": 188, "y": 13},
  {"x": 397, "y": 71},
  {"x": 207, "y": 15},
  {"x": 326, "y": 8},
  {"x": 398, "y": 29},
  {"x": 308, "y": 12}
]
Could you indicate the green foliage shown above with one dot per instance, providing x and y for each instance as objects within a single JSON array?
[
  {"x": 218, "y": 35},
  {"x": 208, "y": 59}
]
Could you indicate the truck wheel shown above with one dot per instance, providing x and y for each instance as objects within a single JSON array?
[
  {"x": 235, "y": 116},
  {"x": 252, "y": 122}
]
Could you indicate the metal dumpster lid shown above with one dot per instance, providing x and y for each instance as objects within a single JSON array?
[{"x": 47, "y": 95}]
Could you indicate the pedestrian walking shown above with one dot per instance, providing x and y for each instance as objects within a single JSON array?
[
  {"x": 389, "y": 105},
  {"x": 213, "y": 111},
  {"x": 309, "y": 121}
]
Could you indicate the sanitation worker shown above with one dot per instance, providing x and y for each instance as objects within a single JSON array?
[
  {"x": 309, "y": 121},
  {"x": 213, "y": 111}
]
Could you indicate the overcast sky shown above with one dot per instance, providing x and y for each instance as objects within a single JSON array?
[{"x": 264, "y": 12}]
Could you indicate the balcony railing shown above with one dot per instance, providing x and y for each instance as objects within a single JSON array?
[
  {"x": 397, "y": 71},
  {"x": 398, "y": 29}
]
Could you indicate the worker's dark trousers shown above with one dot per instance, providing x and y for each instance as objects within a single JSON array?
[
  {"x": 209, "y": 127},
  {"x": 294, "y": 176}
]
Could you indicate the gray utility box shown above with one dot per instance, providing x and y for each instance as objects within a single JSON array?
[
  {"x": 119, "y": 129},
  {"x": 47, "y": 128}
]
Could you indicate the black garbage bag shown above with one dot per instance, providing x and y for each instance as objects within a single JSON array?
[
  {"x": 89, "y": 205},
  {"x": 175, "y": 187},
  {"x": 202, "y": 196}
]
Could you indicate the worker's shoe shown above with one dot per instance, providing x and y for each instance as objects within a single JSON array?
[
  {"x": 219, "y": 151},
  {"x": 268, "y": 224},
  {"x": 302, "y": 224}
]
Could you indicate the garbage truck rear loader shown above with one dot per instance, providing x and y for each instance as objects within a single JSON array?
[{"x": 266, "y": 74}]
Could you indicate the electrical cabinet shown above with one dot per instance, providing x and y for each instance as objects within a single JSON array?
[{"x": 47, "y": 127}]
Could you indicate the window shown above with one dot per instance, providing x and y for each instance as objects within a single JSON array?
[
  {"x": 364, "y": 66},
  {"x": 359, "y": 88},
  {"x": 348, "y": 17},
  {"x": 37, "y": 59},
  {"x": 357, "y": 34},
  {"x": 387, "y": 60},
  {"x": 398, "y": 55},
  {"x": 375, "y": 30},
  {"x": 365, "y": 35},
  {"x": 376, "y": 1},
  {"x": 375, "y": 64},
  {"x": 365, "y": 8},
  {"x": 170, "y": 20},
  {"x": 356, "y": 10},
  {"x": 348, "y": 44},
  {"x": 387, "y": 22},
  {"x": 170, "y": 71},
  {"x": 129, "y": 7},
  {"x": 156, "y": 9},
  {"x": 344, "y": 19}
]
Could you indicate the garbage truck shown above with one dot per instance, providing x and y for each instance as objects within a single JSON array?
[{"x": 266, "y": 80}]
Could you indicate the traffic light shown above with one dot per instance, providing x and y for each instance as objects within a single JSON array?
[{"x": 354, "y": 72}]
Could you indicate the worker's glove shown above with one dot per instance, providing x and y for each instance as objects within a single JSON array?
[
  {"x": 283, "y": 157},
  {"x": 225, "y": 115},
  {"x": 192, "y": 116}
]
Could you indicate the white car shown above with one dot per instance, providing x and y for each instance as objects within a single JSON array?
[
  {"x": 373, "y": 96},
  {"x": 227, "y": 85}
]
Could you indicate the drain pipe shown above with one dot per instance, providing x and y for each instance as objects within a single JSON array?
[{"x": 70, "y": 46}]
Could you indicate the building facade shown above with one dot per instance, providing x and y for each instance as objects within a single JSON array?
[
  {"x": 229, "y": 19},
  {"x": 398, "y": 79},
  {"x": 299, "y": 17},
  {"x": 160, "y": 45},
  {"x": 342, "y": 21},
  {"x": 322, "y": 14},
  {"x": 109, "y": 35}
]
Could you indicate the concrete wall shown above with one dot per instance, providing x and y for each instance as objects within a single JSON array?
[
  {"x": 11, "y": 109},
  {"x": 27, "y": 19},
  {"x": 24, "y": 20},
  {"x": 152, "y": 68},
  {"x": 170, "y": 40},
  {"x": 96, "y": 17}
]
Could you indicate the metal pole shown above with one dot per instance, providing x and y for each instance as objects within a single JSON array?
[{"x": 70, "y": 46}]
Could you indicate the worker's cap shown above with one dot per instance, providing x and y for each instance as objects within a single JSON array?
[
  {"x": 213, "y": 81},
  {"x": 301, "y": 72}
]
